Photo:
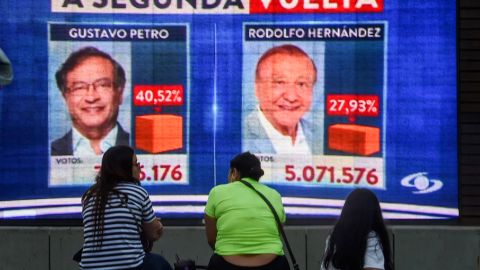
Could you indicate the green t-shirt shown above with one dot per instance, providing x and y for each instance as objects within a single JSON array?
[{"x": 245, "y": 224}]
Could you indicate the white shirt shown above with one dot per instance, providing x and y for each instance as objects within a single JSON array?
[
  {"x": 81, "y": 145},
  {"x": 373, "y": 254},
  {"x": 281, "y": 143}
]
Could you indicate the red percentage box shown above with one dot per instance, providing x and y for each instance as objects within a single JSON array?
[
  {"x": 158, "y": 95},
  {"x": 353, "y": 105}
]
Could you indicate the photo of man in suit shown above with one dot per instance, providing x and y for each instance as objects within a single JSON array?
[
  {"x": 284, "y": 80},
  {"x": 92, "y": 84},
  {"x": 6, "y": 73}
]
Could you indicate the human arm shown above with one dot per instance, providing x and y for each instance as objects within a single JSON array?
[
  {"x": 374, "y": 259},
  {"x": 151, "y": 225},
  {"x": 153, "y": 230},
  {"x": 211, "y": 230},
  {"x": 281, "y": 212},
  {"x": 211, "y": 219}
]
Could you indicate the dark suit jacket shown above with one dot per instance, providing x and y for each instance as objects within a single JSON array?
[
  {"x": 6, "y": 73},
  {"x": 63, "y": 146}
]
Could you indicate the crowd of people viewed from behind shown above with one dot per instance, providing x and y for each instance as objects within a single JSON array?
[
  {"x": 119, "y": 220},
  {"x": 118, "y": 217}
]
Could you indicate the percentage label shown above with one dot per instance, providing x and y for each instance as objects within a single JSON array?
[
  {"x": 353, "y": 105},
  {"x": 158, "y": 95}
]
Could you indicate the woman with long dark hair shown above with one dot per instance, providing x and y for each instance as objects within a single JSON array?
[
  {"x": 241, "y": 228},
  {"x": 116, "y": 210},
  {"x": 359, "y": 239}
]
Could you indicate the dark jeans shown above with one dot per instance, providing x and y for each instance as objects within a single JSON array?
[
  {"x": 154, "y": 261},
  {"x": 217, "y": 262}
]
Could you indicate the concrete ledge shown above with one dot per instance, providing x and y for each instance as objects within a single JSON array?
[
  {"x": 24, "y": 249},
  {"x": 415, "y": 247}
]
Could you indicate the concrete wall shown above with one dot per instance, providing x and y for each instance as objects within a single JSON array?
[{"x": 415, "y": 247}]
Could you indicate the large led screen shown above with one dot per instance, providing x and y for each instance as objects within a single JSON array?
[{"x": 331, "y": 95}]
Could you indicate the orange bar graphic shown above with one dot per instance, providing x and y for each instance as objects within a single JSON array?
[
  {"x": 158, "y": 133},
  {"x": 355, "y": 139}
]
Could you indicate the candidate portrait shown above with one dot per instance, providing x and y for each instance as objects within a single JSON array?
[
  {"x": 284, "y": 82},
  {"x": 92, "y": 85}
]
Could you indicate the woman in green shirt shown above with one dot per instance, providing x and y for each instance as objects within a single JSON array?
[{"x": 240, "y": 227}]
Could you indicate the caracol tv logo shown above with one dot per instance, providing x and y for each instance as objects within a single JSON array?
[{"x": 421, "y": 182}]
